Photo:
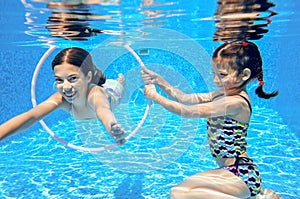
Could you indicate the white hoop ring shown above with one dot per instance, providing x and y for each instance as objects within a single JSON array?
[{"x": 50, "y": 132}]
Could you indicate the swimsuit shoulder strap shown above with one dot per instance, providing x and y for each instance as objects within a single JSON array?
[
  {"x": 249, "y": 104},
  {"x": 217, "y": 96}
]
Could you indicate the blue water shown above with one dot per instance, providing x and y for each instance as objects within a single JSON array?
[{"x": 167, "y": 149}]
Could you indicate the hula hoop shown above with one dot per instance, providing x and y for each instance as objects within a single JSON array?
[{"x": 52, "y": 134}]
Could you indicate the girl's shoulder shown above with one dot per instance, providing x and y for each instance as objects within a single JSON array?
[
  {"x": 241, "y": 107},
  {"x": 97, "y": 94},
  {"x": 97, "y": 90},
  {"x": 243, "y": 98}
]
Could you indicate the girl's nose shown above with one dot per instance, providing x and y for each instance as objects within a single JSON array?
[
  {"x": 216, "y": 79},
  {"x": 67, "y": 86}
]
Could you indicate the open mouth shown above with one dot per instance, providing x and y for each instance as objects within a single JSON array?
[{"x": 69, "y": 96}]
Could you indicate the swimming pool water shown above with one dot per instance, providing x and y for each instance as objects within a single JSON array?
[
  {"x": 147, "y": 166},
  {"x": 167, "y": 149}
]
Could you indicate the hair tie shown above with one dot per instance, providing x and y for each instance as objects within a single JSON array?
[
  {"x": 261, "y": 83},
  {"x": 273, "y": 13},
  {"x": 225, "y": 42},
  {"x": 244, "y": 44}
]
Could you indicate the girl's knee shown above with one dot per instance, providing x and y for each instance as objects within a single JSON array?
[{"x": 178, "y": 192}]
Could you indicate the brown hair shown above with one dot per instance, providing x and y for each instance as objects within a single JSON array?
[{"x": 82, "y": 59}]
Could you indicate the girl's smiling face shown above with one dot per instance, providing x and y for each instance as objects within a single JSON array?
[{"x": 71, "y": 82}]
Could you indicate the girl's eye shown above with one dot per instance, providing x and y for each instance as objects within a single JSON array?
[
  {"x": 72, "y": 78},
  {"x": 222, "y": 75},
  {"x": 59, "y": 81}
]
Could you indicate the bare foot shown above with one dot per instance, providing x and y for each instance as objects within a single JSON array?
[
  {"x": 121, "y": 79},
  {"x": 267, "y": 194}
]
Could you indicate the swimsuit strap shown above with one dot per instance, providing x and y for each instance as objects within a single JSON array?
[
  {"x": 242, "y": 160},
  {"x": 239, "y": 161},
  {"x": 215, "y": 97},
  {"x": 247, "y": 102},
  {"x": 71, "y": 108}
]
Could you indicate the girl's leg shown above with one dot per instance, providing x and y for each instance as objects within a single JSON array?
[
  {"x": 120, "y": 88},
  {"x": 216, "y": 184},
  {"x": 115, "y": 89}
]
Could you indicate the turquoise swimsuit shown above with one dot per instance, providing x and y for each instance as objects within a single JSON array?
[{"x": 227, "y": 139}]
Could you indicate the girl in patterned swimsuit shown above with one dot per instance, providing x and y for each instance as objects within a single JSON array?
[
  {"x": 228, "y": 112},
  {"x": 82, "y": 91}
]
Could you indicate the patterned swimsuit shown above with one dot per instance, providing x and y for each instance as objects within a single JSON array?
[{"x": 227, "y": 139}]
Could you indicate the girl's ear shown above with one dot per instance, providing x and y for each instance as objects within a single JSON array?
[
  {"x": 90, "y": 76},
  {"x": 246, "y": 74}
]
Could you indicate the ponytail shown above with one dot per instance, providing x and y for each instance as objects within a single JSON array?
[{"x": 259, "y": 90}]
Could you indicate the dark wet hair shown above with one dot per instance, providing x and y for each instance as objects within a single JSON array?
[
  {"x": 82, "y": 59},
  {"x": 241, "y": 55}
]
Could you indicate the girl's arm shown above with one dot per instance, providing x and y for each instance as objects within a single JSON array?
[
  {"x": 151, "y": 77},
  {"x": 98, "y": 100},
  {"x": 226, "y": 106},
  {"x": 27, "y": 119}
]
